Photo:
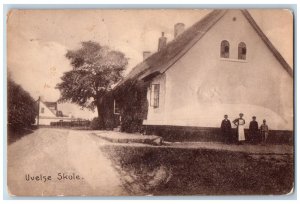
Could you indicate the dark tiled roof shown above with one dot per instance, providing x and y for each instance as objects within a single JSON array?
[
  {"x": 173, "y": 48},
  {"x": 51, "y": 104},
  {"x": 160, "y": 61}
]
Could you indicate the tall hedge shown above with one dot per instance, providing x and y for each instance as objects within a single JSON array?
[{"x": 22, "y": 108}]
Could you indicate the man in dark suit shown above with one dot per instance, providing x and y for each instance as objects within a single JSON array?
[
  {"x": 253, "y": 131},
  {"x": 226, "y": 129}
]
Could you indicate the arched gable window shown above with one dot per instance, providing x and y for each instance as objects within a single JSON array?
[
  {"x": 242, "y": 51},
  {"x": 224, "y": 49}
]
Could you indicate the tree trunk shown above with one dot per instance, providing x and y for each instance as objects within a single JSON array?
[{"x": 100, "y": 115}]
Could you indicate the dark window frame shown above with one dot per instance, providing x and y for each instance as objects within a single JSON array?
[
  {"x": 116, "y": 108},
  {"x": 242, "y": 51},
  {"x": 225, "y": 49}
]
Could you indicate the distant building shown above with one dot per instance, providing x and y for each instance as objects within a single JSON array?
[
  {"x": 223, "y": 64},
  {"x": 48, "y": 113}
]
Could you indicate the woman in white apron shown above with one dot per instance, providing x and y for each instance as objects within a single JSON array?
[{"x": 240, "y": 123}]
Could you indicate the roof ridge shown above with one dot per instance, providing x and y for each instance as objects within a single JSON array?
[
  {"x": 161, "y": 60},
  {"x": 146, "y": 64}
]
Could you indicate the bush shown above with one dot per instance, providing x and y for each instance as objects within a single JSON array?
[
  {"x": 96, "y": 124},
  {"x": 22, "y": 108},
  {"x": 132, "y": 98},
  {"x": 109, "y": 124}
]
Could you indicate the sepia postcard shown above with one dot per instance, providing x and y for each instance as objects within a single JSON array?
[{"x": 160, "y": 102}]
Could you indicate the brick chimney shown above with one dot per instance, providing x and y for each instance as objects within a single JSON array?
[
  {"x": 178, "y": 29},
  {"x": 162, "y": 41},
  {"x": 146, "y": 54}
]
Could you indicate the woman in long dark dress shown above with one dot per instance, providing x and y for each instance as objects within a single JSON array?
[{"x": 226, "y": 129}]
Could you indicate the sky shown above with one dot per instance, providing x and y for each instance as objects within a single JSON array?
[{"x": 37, "y": 40}]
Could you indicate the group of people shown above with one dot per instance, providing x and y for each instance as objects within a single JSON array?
[{"x": 255, "y": 134}]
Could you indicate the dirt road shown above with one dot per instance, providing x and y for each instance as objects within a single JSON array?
[
  {"x": 60, "y": 162},
  {"x": 69, "y": 162}
]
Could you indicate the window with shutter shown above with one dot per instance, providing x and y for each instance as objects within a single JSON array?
[{"x": 154, "y": 96}]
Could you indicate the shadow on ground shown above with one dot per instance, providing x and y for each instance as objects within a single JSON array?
[
  {"x": 174, "y": 171},
  {"x": 14, "y": 134}
]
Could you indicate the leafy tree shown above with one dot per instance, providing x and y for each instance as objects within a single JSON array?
[
  {"x": 22, "y": 108},
  {"x": 95, "y": 70}
]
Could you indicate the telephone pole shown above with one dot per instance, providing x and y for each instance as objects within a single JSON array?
[{"x": 38, "y": 116}]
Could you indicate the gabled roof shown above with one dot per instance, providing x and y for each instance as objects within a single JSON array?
[
  {"x": 46, "y": 106},
  {"x": 275, "y": 52},
  {"x": 160, "y": 61}
]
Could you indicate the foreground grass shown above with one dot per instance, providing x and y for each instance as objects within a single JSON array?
[{"x": 173, "y": 171}]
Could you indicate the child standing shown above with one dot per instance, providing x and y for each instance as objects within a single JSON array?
[{"x": 264, "y": 131}]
